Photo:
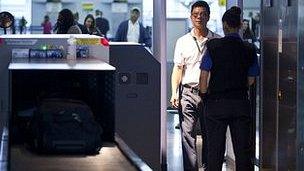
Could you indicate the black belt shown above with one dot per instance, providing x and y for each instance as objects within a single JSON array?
[{"x": 196, "y": 89}]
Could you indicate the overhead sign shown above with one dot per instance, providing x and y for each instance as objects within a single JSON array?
[
  {"x": 88, "y": 6},
  {"x": 222, "y": 2}
]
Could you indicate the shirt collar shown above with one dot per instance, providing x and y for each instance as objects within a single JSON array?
[
  {"x": 235, "y": 35},
  {"x": 136, "y": 23},
  {"x": 209, "y": 35}
]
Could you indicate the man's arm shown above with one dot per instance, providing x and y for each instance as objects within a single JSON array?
[
  {"x": 175, "y": 82},
  {"x": 254, "y": 69},
  {"x": 205, "y": 67},
  {"x": 118, "y": 35},
  {"x": 107, "y": 25},
  {"x": 148, "y": 41}
]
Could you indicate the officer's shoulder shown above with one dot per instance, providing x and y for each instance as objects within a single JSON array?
[
  {"x": 214, "y": 35},
  {"x": 214, "y": 42}
]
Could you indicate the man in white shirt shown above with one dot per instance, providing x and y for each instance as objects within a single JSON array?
[
  {"x": 133, "y": 27},
  {"x": 186, "y": 72},
  {"x": 133, "y": 31}
]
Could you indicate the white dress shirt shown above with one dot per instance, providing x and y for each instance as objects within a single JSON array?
[
  {"x": 189, "y": 56},
  {"x": 133, "y": 32}
]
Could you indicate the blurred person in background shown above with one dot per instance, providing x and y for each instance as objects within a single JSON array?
[
  {"x": 22, "y": 25},
  {"x": 132, "y": 30},
  {"x": 248, "y": 34},
  {"x": 66, "y": 23},
  {"x": 76, "y": 20},
  {"x": 47, "y": 25},
  {"x": 102, "y": 23},
  {"x": 89, "y": 23},
  {"x": 255, "y": 23}
]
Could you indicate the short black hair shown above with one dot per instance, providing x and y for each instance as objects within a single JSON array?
[
  {"x": 98, "y": 12},
  {"x": 233, "y": 17},
  {"x": 135, "y": 10},
  {"x": 201, "y": 4}
]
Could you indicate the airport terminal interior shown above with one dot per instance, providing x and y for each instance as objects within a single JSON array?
[{"x": 75, "y": 95}]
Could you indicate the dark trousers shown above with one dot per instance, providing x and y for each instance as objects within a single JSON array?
[
  {"x": 190, "y": 111},
  {"x": 235, "y": 114}
]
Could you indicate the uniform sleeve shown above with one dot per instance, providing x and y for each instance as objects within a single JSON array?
[
  {"x": 254, "y": 69},
  {"x": 206, "y": 63},
  {"x": 178, "y": 56}
]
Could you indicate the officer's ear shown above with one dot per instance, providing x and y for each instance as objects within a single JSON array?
[{"x": 225, "y": 27}]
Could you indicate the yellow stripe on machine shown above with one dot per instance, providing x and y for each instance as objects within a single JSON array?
[{"x": 88, "y": 41}]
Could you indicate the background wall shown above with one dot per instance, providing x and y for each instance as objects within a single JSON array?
[
  {"x": 18, "y": 8},
  {"x": 115, "y": 18},
  {"x": 180, "y": 10}
]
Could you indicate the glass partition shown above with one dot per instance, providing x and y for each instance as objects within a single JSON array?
[{"x": 251, "y": 33}]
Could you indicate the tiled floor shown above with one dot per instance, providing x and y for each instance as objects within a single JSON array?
[
  {"x": 109, "y": 159},
  {"x": 174, "y": 152}
]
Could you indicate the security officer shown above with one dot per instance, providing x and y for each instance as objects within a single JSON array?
[
  {"x": 231, "y": 65},
  {"x": 187, "y": 57}
]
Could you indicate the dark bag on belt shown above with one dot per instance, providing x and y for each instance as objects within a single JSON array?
[{"x": 65, "y": 126}]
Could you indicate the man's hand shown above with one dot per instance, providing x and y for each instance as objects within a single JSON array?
[
  {"x": 175, "y": 82},
  {"x": 174, "y": 101}
]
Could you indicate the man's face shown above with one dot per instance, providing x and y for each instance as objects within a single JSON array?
[
  {"x": 199, "y": 17},
  {"x": 134, "y": 16}
]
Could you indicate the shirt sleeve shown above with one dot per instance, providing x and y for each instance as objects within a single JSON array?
[
  {"x": 178, "y": 56},
  {"x": 254, "y": 69},
  {"x": 206, "y": 63}
]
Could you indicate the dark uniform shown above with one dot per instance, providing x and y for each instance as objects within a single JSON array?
[{"x": 230, "y": 61}]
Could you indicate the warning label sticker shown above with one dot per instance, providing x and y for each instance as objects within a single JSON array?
[{"x": 88, "y": 41}]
